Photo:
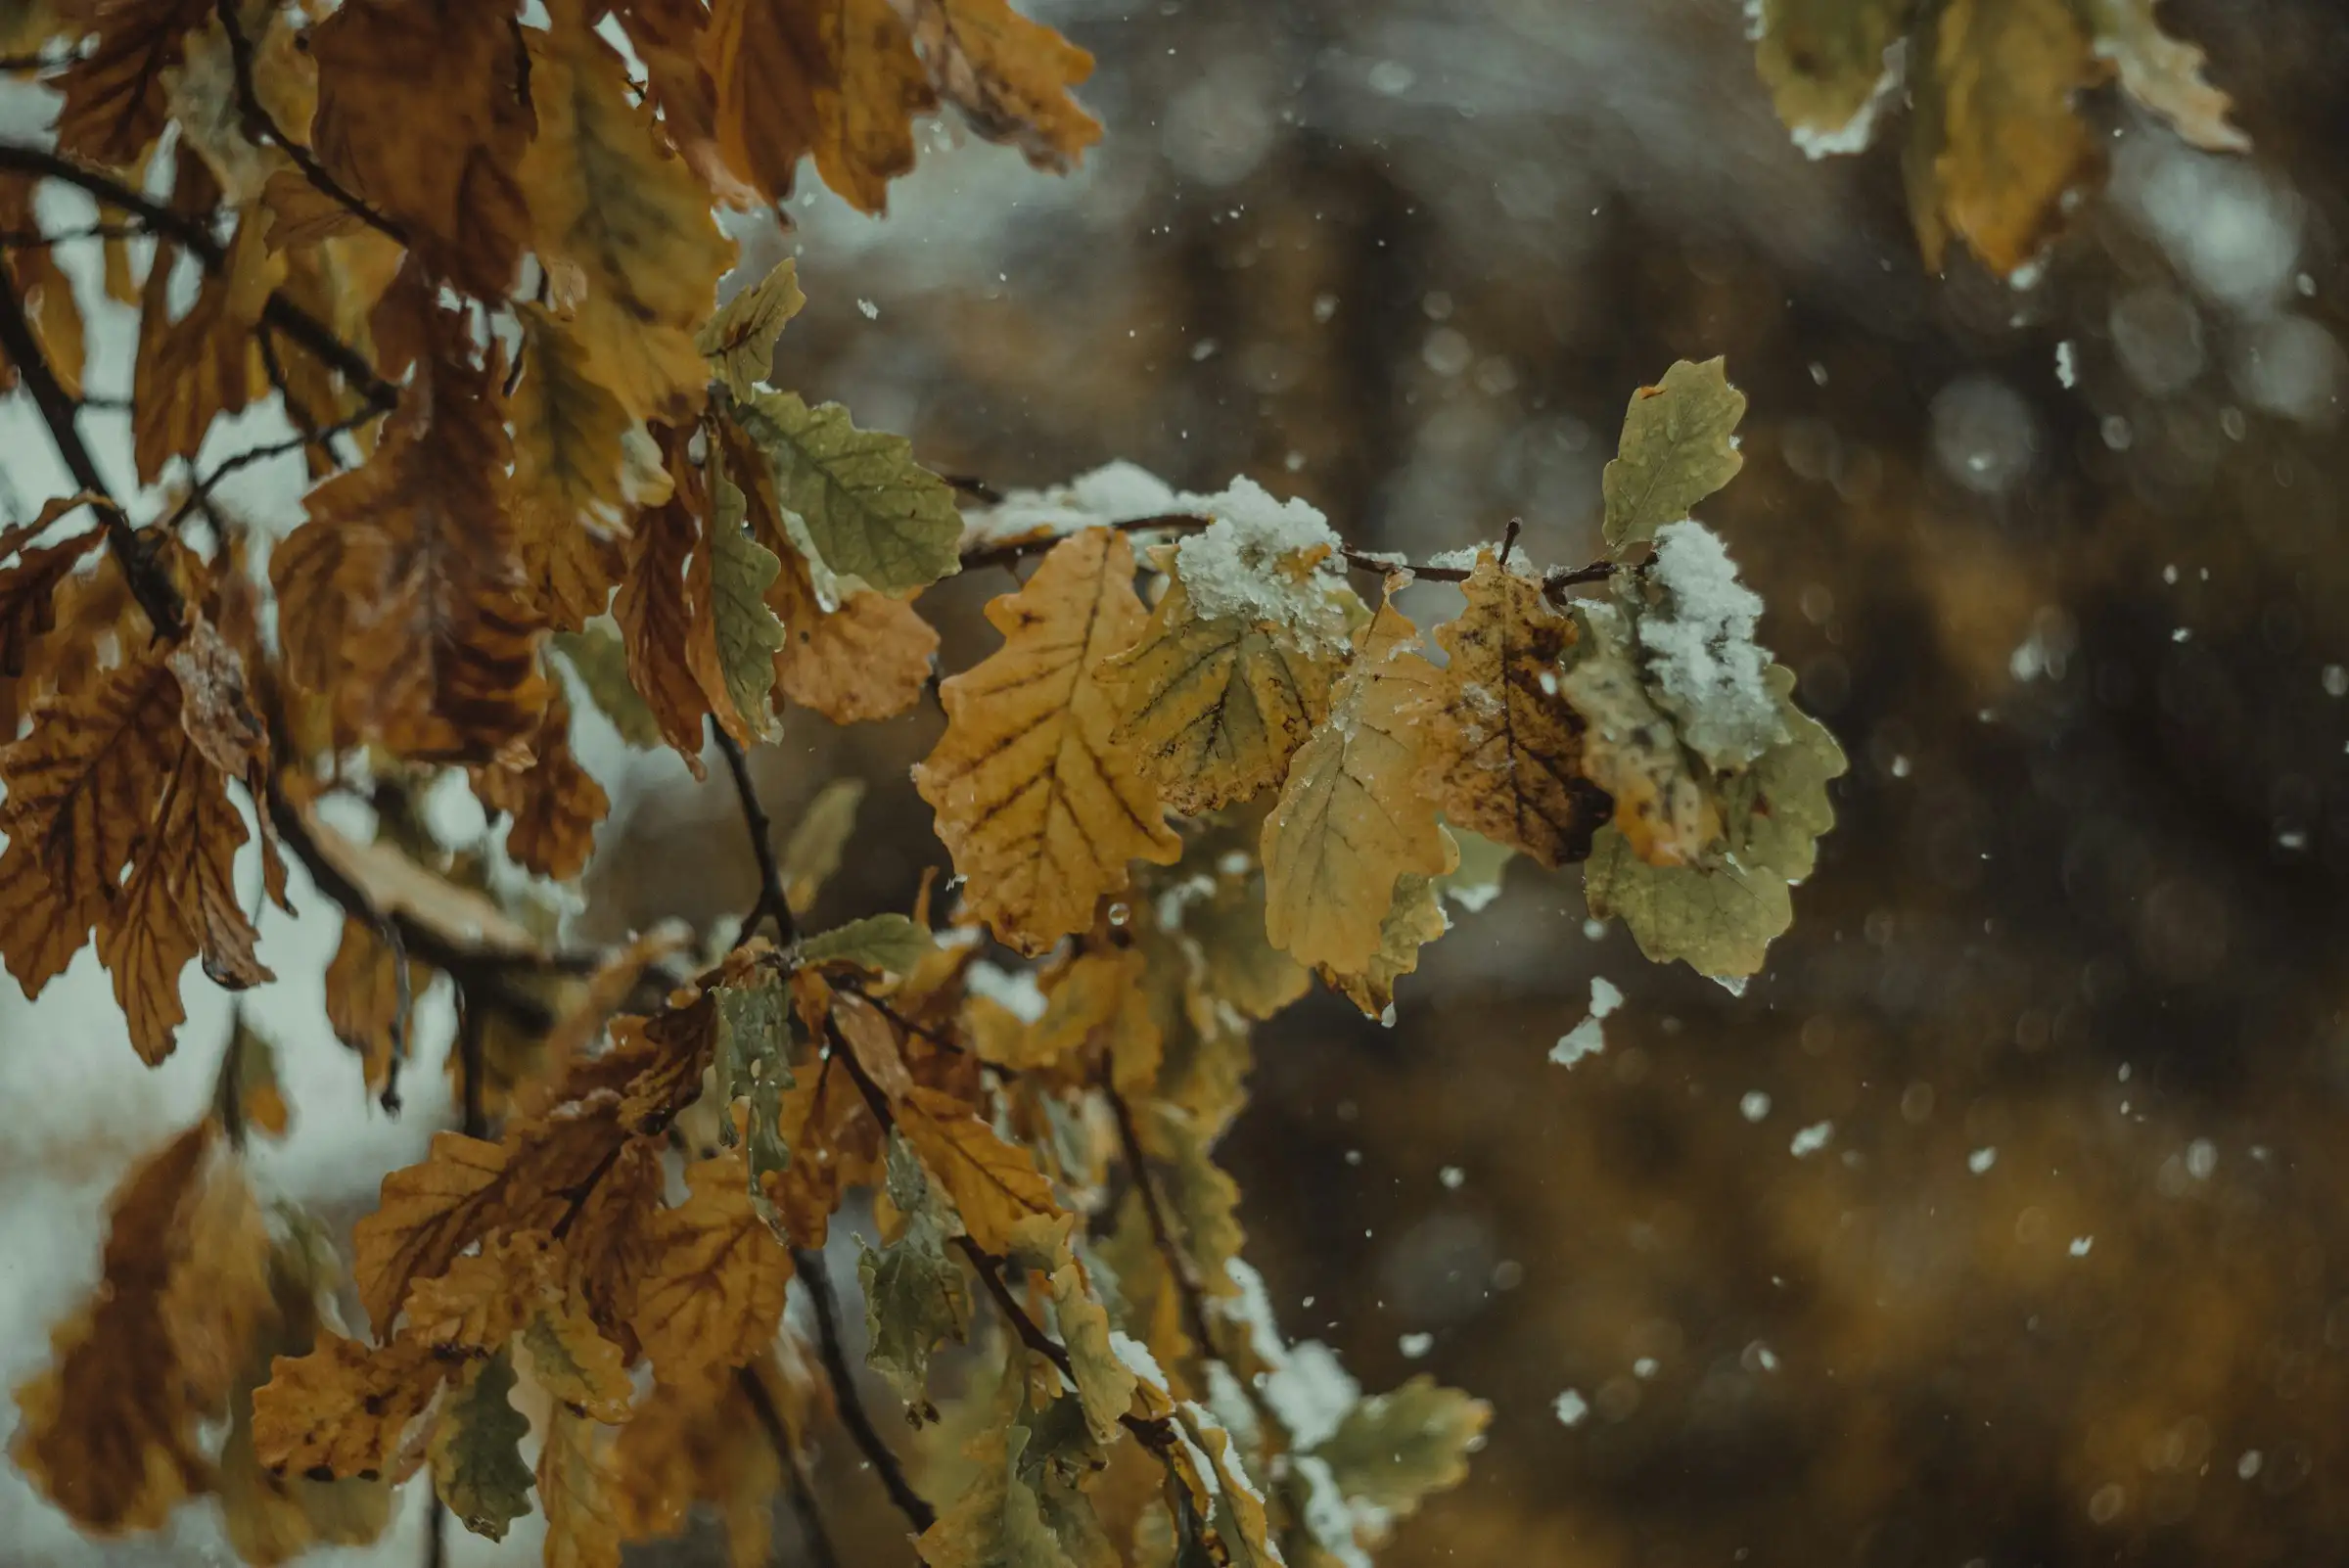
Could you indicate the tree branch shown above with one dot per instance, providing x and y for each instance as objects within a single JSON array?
[
  {"x": 149, "y": 583},
  {"x": 800, "y": 1488},
  {"x": 259, "y": 124},
  {"x": 809, "y": 1265},
  {"x": 773, "y": 899}
]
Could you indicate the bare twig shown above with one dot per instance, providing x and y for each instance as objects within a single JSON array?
[
  {"x": 259, "y": 124},
  {"x": 809, "y": 1265},
  {"x": 203, "y": 490},
  {"x": 470, "y": 1072},
  {"x": 404, "y": 1012},
  {"x": 801, "y": 1487},
  {"x": 773, "y": 899}
]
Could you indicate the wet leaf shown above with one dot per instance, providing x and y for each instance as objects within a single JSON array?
[{"x": 1679, "y": 446}]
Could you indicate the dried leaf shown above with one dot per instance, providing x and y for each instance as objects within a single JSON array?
[
  {"x": 1213, "y": 709},
  {"x": 1631, "y": 750},
  {"x": 868, "y": 659},
  {"x": 29, "y": 594},
  {"x": 2164, "y": 74},
  {"x": 577, "y": 1364},
  {"x": 686, "y": 1446},
  {"x": 362, "y": 999},
  {"x": 992, "y": 1184},
  {"x": 1993, "y": 139},
  {"x": 582, "y": 1529},
  {"x": 1679, "y": 446},
  {"x": 1010, "y": 77},
  {"x": 477, "y": 1449},
  {"x": 554, "y": 802},
  {"x": 1414, "y": 918},
  {"x": 839, "y": 80},
  {"x": 188, "y": 372},
  {"x": 342, "y": 1410},
  {"x": 423, "y": 112},
  {"x": 739, "y": 342},
  {"x": 115, "y": 102},
  {"x": 1826, "y": 65},
  {"x": 1105, "y": 1384},
  {"x": 1353, "y": 816},
  {"x": 873, "y": 516},
  {"x": 712, "y": 1296},
  {"x": 661, "y": 628},
  {"x": 1505, "y": 752},
  {"x": 611, "y": 201},
  {"x": 1038, "y": 803}
]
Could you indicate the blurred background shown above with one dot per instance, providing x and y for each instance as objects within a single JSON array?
[{"x": 2005, "y": 1218}]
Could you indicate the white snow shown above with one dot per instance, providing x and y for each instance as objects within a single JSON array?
[
  {"x": 1115, "y": 492},
  {"x": 1701, "y": 653},
  {"x": 2067, "y": 368},
  {"x": 1587, "y": 1038},
  {"x": 1811, "y": 1139},
  {"x": 1414, "y": 1346},
  {"x": 1854, "y": 134},
  {"x": 1014, "y": 990},
  {"x": 2081, "y": 1244},
  {"x": 1304, "y": 1383},
  {"x": 1754, "y": 1106},
  {"x": 1571, "y": 1407},
  {"x": 1981, "y": 1160},
  {"x": 1453, "y": 1178},
  {"x": 1258, "y": 560}
]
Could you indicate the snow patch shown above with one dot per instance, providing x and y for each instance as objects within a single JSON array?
[
  {"x": 1811, "y": 1139},
  {"x": 1854, "y": 134},
  {"x": 1016, "y": 991},
  {"x": 1258, "y": 560},
  {"x": 1701, "y": 651},
  {"x": 1571, "y": 1407},
  {"x": 1588, "y": 1039},
  {"x": 1115, "y": 492}
]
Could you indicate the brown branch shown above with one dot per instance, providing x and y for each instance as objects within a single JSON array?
[
  {"x": 801, "y": 1487},
  {"x": 204, "y": 488},
  {"x": 809, "y": 1265},
  {"x": 1554, "y": 582},
  {"x": 259, "y": 124},
  {"x": 192, "y": 236},
  {"x": 149, "y": 583},
  {"x": 773, "y": 899}
]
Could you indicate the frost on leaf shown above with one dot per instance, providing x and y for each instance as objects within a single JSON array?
[
  {"x": 915, "y": 1298},
  {"x": 1038, "y": 802},
  {"x": 874, "y": 517},
  {"x": 1696, "y": 635},
  {"x": 1721, "y": 915},
  {"x": 1214, "y": 706},
  {"x": 1662, "y": 803},
  {"x": 1825, "y": 62},
  {"x": 1352, "y": 817},
  {"x": 1679, "y": 446},
  {"x": 1504, "y": 749}
]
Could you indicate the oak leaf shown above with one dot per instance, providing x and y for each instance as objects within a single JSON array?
[
  {"x": 915, "y": 1297},
  {"x": 476, "y": 1449},
  {"x": 1038, "y": 802},
  {"x": 1353, "y": 816},
  {"x": 884, "y": 944},
  {"x": 363, "y": 994},
  {"x": 739, "y": 342},
  {"x": 1679, "y": 446},
  {"x": 839, "y": 80},
  {"x": 872, "y": 516},
  {"x": 427, "y": 1214},
  {"x": 573, "y": 1360},
  {"x": 115, "y": 102},
  {"x": 1505, "y": 750},
  {"x": 1391, "y": 1449},
  {"x": 553, "y": 800},
  {"x": 835, "y": 1144},
  {"x": 1414, "y": 917},
  {"x": 342, "y": 1410},
  {"x": 582, "y": 1528},
  {"x": 28, "y": 593},
  {"x": 865, "y": 659},
  {"x": 568, "y": 488},
  {"x": 401, "y": 598},
  {"x": 1826, "y": 65},
  {"x": 1629, "y": 747},
  {"x": 1105, "y": 1384},
  {"x": 1994, "y": 139},
  {"x": 661, "y": 624},
  {"x": 186, "y": 373},
  {"x": 1010, "y": 77},
  {"x": 109, "y": 1430},
  {"x": 713, "y": 1295},
  {"x": 611, "y": 201},
  {"x": 992, "y": 1184},
  {"x": 683, "y": 1445},
  {"x": 735, "y": 665},
  {"x": 425, "y": 112},
  {"x": 2164, "y": 74},
  {"x": 1213, "y": 707}
]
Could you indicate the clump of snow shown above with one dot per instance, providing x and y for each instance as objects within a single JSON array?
[
  {"x": 1981, "y": 1160},
  {"x": 1571, "y": 1408},
  {"x": 1701, "y": 654},
  {"x": 2067, "y": 366},
  {"x": 1587, "y": 1038},
  {"x": 1453, "y": 1178},
  {"x": 1115, "y": 492},
  {"x": 1414, "y": 1346},
  {"x": 1016, "y": 991},
  {"x": 1258, "y": 559},
  {"x": 1754, "y": 1106},
  {"x": 2081, "y": 1244},
  {"x": 1854, "y": 134},
  {"x": 1811, "y": 1139}
]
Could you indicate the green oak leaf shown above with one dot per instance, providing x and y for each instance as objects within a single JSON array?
[
  {"x": 1677, "y": 449},
  {"x": 749, "y": 634},
  {"x": 872, "y": 514},
  {"x": 915, "y": 1297},
  {"x": 739, "y": 342},
  {"x": 476, "y": 1451},
  {"x": 601, "y": 662},
  {"x": 1391, "y": 1449},
  {"x": 887, "y": 943}
]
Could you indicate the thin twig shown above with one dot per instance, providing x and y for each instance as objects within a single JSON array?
[
  {"x": 228, "y": 1089},
  {"x": 435, "y": 1533},
  {"x": 199, "y": 240},
  {"x": 809, "y": 1265},
  {"x": 773, "y": 899},
  {"x": 204, "y": 488},
  {"x": 149, "y": 583},
  {"x": 404, "y": 1012},
  {"x": 470, "y": 1073},
  {"x": 1018, "y": 550},
  {"x": 1178, "y": 1259},
  {"x": 259, "y": 124},
  {"x": 800, "y": 1487}
]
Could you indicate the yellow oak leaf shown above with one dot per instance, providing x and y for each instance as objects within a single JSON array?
[
  {"x": 868, "y": 659},
  {"x": 1038, "y": 802},
  {"x": 2164, "y": 74},
  {"x": 608, "y": 198},
  {"x": 423, "y": 113},
  {"x": 426, "y": 1214},
  {"x": 362, "y": 999},
  {"x": 839, "y": 80},
  {"x": 992, "y": 1184},
  {"x": 1214, "y": 707},
  {"x": 683, "y": 1445},
  {"x": 1413, "y": 918},
  {"x": 1010, "y": 77},
  {"x": 1631, "y": 750},
  {"x": 1354, "y": 815},
  {"x": 1994, "y": 139},
  {"x": 342, "y": 1410},
  {"x": 1825, "y": 63},
  {"x": 574, "y": 1362},
  {"x": 568, "y": 488},
  {"x": 713, "y": 1295},
  {"x": 1505, "y": 749},
  {"x": 582, "y": 1529},
  {"x": 186, "y": 373}
]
